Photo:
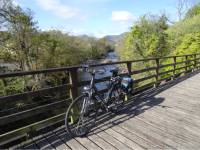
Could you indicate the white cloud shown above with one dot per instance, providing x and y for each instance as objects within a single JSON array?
[
  {"x": 122, "y": 16},
  {"x": 57, "y": 8}
]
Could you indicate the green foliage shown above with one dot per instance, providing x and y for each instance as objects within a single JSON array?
[
  {"x": 147, "y": 38},
  {"x": 180, "y": 29},
  {"x": 190, "y": 44},
  {"x": 184, "y": 35},
  {"x": 11, "y": 86},
  {"x": 194, "y": 11}
]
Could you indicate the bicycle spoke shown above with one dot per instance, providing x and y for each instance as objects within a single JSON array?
[{"x": 81, "y": 116}]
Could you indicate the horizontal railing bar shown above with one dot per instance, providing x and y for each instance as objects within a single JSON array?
[
  {"x": 29, "y": 128},
  {"x": 166, "y": 78},
  {"x": 180, "y": 68},
  {"x": 25, "y": 95},
  {"x": 183, "y": 67},
  {"x": 165, "y": 72},
  {"x": 23, "y": 73},
  {"x": 31, "y": 112},
  {"x": 182, "y": 62},
  {"x": 143, "y": 87},
  {"x": 162, "y": 73},
  {"x": 14, "y": 74},
  {"x": 166, "y": 65},
  {"x": 143, "y": 79},
  {"x": 187, "y": 61},
  {"x": 15, "y": 109},
  {"x": 180, "y": 73},
  {"x": 83, "y": 83},
  {"x": 142, "y": 70}
]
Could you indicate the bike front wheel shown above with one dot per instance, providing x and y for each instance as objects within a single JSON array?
[{"x": 81, "y": 116}]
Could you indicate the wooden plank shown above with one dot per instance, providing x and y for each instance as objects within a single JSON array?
[
  {"x": 141, "y": 134},
  {"x": 55, "y": 141},
  {"x": 143, "y": 79},
  {"x": 143, "y": 87},
  {"x": 69, "y": 141},
  {"x": 90, "y": 145},
  {"x": 73, "y": 79},
  {"x": 123, "y": 139},
  {"x": 176, "y": 124},
  {"x": 165, "y": 72},
  {"x": 143, "y": 70},
  {"x": 140, "y": 141},
  {"x": 166, "y": 65},
  {"x": 26, "y": 95},
  {"x": 163, "y": 137},
  {"x": 100, "y": 142},
  {"x": 117, "y": 144},
  {"x": 43, "y": 144},
  {"x": 179, "y": 133},
  {"x": 183, "y": 93},
  {"x": 31, "y": 146},
  {"x": 150, "y": 138},
  {"x": 108, "y": 128}
]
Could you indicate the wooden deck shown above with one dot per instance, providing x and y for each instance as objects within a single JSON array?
[{"x": 164, "y": 118}]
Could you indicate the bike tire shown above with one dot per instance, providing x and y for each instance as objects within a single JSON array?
[{"x": 73, "y": 111}]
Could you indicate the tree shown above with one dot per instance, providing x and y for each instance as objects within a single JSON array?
[
  {"x": 194, "y": 11},
  {"x": 190, "y": 44},
  {"x": 21, "y": 33},
  {"x": 177, "y": 32},
  {"x": 182, "y": 7},
  {"x": 147, "y": 38}
]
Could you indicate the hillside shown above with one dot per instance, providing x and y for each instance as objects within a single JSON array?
[{"x": 114, "y": 39}]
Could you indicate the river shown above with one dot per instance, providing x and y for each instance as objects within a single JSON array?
[{"x": 110, "y": 57}]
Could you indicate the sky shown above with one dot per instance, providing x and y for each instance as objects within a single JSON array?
[{"x": 94, "y": 17}]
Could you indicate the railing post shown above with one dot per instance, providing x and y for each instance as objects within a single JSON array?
[
  {"x": 174, "y": 67},
  {"x": 186, "y": 63},
  {"x": 157, "y": 71},
  {"x": 129, "y": 67},
  {"x": 195, "y": 62},
  {"x": 73, "y": 79}
]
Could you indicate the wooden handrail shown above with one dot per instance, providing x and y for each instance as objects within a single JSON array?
[{"x": 51, "y": 70}]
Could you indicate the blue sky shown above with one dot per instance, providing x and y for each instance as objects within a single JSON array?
[{"x": 94, "y": 17}]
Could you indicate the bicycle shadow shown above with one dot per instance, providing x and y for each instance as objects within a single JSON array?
[
  {"x": 130, "y": 110},
  {"x": 138, "y": 104}
]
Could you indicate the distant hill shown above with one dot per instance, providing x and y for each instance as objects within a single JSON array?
[{"x": 114, "y": 39}]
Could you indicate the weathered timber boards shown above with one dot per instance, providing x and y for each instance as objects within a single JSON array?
[{"x": 168, "y": 120}]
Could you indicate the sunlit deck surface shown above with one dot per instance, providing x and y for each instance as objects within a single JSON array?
[{"x": 164, "y": 118}]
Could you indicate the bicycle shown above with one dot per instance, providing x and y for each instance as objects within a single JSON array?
[{"x": 82, "y": 112}]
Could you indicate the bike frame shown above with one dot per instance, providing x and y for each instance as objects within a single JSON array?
[{"x": 94, "y": 94}]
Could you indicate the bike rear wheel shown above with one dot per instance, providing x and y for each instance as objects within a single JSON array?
[{"x": 81, "y": 116}]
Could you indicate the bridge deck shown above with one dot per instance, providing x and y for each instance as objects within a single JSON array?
[{"x": 165, "y": 118}]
